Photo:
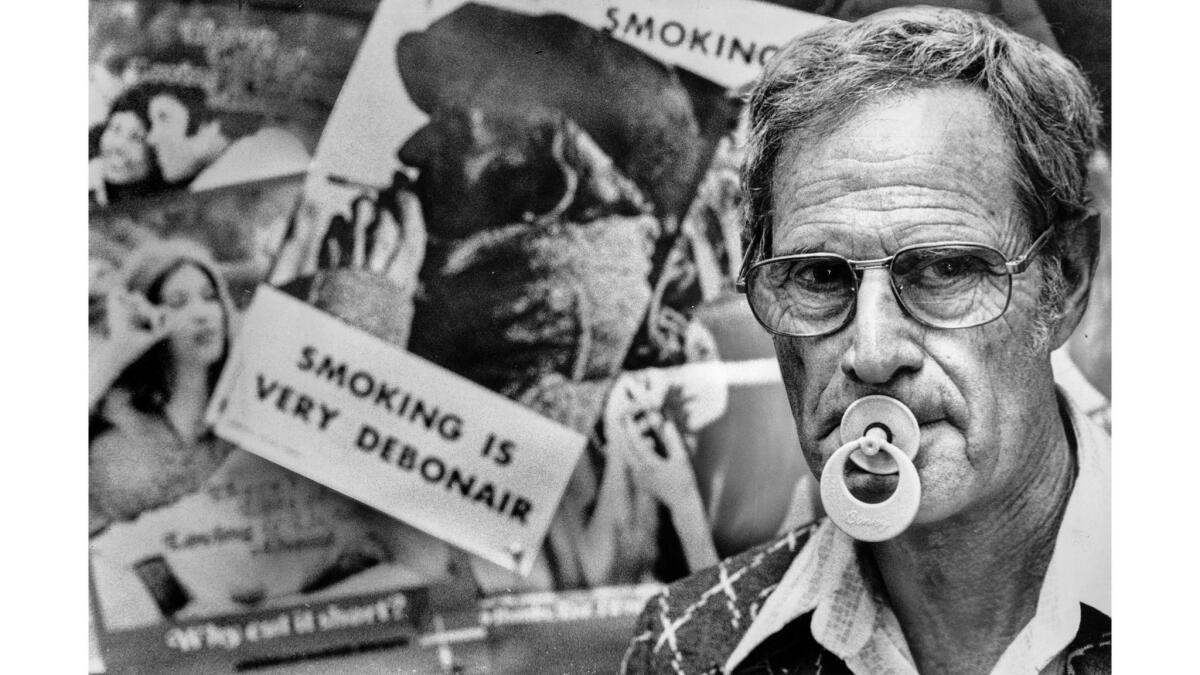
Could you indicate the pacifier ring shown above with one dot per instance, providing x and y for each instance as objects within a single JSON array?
[
  {"x": 859, "y": 519},
  {"x": 880, "y": 425},
  {"x": 890, "y": 416}
]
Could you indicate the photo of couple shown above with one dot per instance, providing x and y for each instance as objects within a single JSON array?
[{"x": 195, "y": 98}]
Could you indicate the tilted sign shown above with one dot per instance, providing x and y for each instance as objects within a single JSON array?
[{"x": 424, "y": 445}]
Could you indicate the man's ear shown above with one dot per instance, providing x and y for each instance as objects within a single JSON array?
[{"x": 1080, "y": 248}]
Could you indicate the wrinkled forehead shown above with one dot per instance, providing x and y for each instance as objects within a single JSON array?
[{"x": 934, "y": 155}]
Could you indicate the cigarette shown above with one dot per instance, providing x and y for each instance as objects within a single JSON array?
[
  {"x": 752, "y": 372},
  {"x": 735, "y": 373},
  {"x": 350, "y": 182},
  {"x": 406, "y": 180}
]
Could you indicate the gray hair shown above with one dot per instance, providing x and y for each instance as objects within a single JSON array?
[{"x": 1042, "y": 102}]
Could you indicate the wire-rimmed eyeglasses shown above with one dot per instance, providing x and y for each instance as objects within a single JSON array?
[{"x": 953, "y": 284}]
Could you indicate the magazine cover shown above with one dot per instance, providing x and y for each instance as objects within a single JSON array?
[
  {"x": 523, "y": 202},
  {"x": 198, "y": 549},
  {"x": 193, "y": 96}
]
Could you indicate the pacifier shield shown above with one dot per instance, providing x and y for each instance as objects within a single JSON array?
[
  {"x": 876, "y": 410},
  {"x": 870, "y": 522}
]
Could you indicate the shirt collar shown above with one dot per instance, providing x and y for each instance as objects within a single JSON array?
[
  {"x": 1080, "y": 570},
  {"x": 855, "y": 623},
  {"x": 1071, "y": 380}
]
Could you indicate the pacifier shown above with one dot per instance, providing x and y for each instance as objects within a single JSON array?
[{"x": 880, "y": 435}]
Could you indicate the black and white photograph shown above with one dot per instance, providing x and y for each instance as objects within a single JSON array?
[
  {"x": 195, "y": 96},
  {"x": 550, "y": 213},
  {"x": 187, "y": 531},
  {"x": 559, "y": 337}
]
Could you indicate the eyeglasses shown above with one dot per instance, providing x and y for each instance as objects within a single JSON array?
[{"x": 942, "y": 285}]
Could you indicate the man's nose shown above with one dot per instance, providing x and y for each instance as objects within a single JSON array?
[{"x": 882, "y": 338}]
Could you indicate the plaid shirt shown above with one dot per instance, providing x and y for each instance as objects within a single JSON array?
[{"x": 801, "y": 605}]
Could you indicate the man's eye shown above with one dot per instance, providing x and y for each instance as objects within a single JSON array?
[
  {"x": 950, "y": 269},
  {"x": 819, "y": 275}
]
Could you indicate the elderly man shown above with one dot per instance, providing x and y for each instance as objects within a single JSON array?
[{"x": 918, "y": 224}]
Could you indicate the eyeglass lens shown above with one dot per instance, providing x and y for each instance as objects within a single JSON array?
[{"x": 953, "y": 286}]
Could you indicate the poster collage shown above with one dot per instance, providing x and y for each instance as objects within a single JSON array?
[{"x": 413, "y": 318}]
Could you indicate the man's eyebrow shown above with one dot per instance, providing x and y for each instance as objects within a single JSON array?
[{"x": 803, "y": 249}]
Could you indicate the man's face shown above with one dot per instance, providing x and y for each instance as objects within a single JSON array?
[
  {"x": 480, "y": 170},
  {"x": 180, "y": 156},
  {"x": 928, "y": 166}
]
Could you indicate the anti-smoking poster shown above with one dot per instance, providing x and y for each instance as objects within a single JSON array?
[{"x": 483, "y": 318}]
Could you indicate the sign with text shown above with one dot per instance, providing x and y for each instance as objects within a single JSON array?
[
  {"x": 726, "y": 43},
  {"x": 426, "y": 446}
]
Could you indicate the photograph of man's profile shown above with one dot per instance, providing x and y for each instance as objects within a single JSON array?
[{"x": 537, "y": 237}]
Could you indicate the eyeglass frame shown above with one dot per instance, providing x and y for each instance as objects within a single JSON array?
[{"x": 1012, "y": 267}]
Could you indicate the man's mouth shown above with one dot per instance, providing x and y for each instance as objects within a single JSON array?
[
  {"x": 926, "y": 415},
  {"x": 869, "y": 487}
]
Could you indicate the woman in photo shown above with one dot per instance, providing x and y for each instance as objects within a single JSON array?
[
  {"x": 206, "y": 528},
  {"x": 150, "y": 377},
  {"x": 121, "y": 163}
]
